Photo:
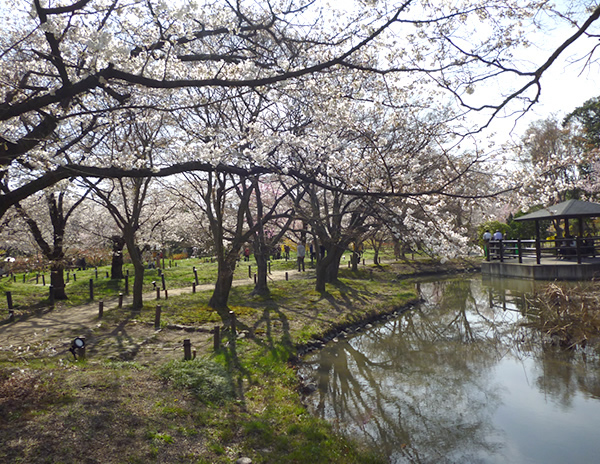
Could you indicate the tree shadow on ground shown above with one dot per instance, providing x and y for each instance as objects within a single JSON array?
[{"x": 349, "y": 295}]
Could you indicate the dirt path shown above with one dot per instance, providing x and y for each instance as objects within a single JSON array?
[{"x": 52, "y": 332}]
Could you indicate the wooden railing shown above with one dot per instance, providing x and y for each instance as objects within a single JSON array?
[{"x": 565, "y": 248}]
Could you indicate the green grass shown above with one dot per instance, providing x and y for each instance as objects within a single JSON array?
[
  {"x": 32, "y": 295},
  {"x": 208, "y": 381},
  {"x": 240, "y": 401}
]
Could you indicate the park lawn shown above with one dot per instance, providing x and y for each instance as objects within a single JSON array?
[
  {"x": 241, "y": 400},
  {"x": 30, "y": 291}
]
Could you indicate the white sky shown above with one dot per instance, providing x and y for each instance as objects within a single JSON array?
[{"x": 565, "y": 86}]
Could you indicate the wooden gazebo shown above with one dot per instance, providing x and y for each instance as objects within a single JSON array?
[
  {"x": 570, "y": 209},
  {"x": 562, "y": 258}
]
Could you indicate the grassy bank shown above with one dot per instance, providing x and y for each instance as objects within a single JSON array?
[{"x": 135, "y": 401}]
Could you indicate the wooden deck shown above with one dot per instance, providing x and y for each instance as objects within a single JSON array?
[{"x": 550, "y": 268}]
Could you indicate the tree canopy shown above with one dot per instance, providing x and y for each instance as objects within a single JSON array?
[{"x": 286, "y": 110}]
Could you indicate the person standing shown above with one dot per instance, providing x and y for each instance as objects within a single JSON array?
[
  {"x": 300, "y": 254},
  {"x": 487, "y": 236}
]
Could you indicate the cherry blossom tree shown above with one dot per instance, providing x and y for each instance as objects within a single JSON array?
[
  {"x": 133, "y": 203},
  {"x": 50, "y": 231},
  {"x": 65, "y": 64},
  {"x": 552, "y": 162}
]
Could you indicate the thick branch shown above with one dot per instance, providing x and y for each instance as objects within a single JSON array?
[
  {"x": 109, "y": 73},
  {"x": 9, "y": 151}
]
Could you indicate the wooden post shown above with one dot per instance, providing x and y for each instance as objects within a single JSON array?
[
  {"x": 286, "y": 276},
  {"x": 51, "y": 294},
  {"x": 158, "y": 293},
  {"x": 578, "y": 249},
  {"x": 519, "y": 251},
  {"x": 187, "y": 349},
  {"x": 269, "y": 267},
  {"x": 249, "y": 271},
  {"x": 217, "y": 339},
  {"x": 164, "y": 284},
  {"x": 166, "y": 294},
  {"x": 43, "y": 280},
  {"x": 107, "y": 274},
  {"x": 157, "y": 317},
  {"x": 37, "y": 279},
  {"x": 255, "y": 279},
  {"x": 100, "y": 309},
  {"x": 127, "y": 283},
  {"x": 232, "y": 319},
  {"x": 24, "y": 276},
  {"x": 68, "y": 275},
  {"x": 193, "y": 287},
  {"x": 196, "y": 275},
  {"x": 538, "y": 245},
  {"x": 91, "y": 289},
  {"x": 74, "y": 277},
  {"x": 9, "y": 302},
  {"x": 120, "y": 300},
  {"x": 501, "y": 248},
  {"x": 96, "y": 272}
]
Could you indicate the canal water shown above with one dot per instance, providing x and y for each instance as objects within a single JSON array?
[{"x": 460, "y": 380}]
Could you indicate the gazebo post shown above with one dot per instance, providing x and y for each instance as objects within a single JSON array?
[
  {"x": 538, "y": 250},
  {"x": 579, "y": 240}
]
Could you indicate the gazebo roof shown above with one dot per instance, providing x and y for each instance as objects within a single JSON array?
[{"x": 565, "y": 210}]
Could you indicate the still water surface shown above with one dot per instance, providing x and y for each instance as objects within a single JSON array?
[{"x": 459, "y": 380}]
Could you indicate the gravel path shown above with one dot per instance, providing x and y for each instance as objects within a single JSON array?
[{"x": 52, "y": 332}]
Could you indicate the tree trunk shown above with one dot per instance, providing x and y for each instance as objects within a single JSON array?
[
  {"x": 220, "y": 296},
  {"x": 355, "y": 259},
  {"x": 116, "y": 268},
  {"x": 328, "y": 268},
  {"x": 333, "y": 268},
  {"x": 321, "y": 276},
  {"x": 138, "y": 266},
  {"x": 57, "y": 280},
  {"x": 138, "y": 284},
  {"x": 262, "y": 265}
]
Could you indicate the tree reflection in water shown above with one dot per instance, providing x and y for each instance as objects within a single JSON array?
[{"x": 420, "y": 388}]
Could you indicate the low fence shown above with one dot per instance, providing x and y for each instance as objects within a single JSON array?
[{"x": 571, "y": 248}]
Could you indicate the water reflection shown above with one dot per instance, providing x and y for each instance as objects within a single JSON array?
[{"x": 458, "y": 380}]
